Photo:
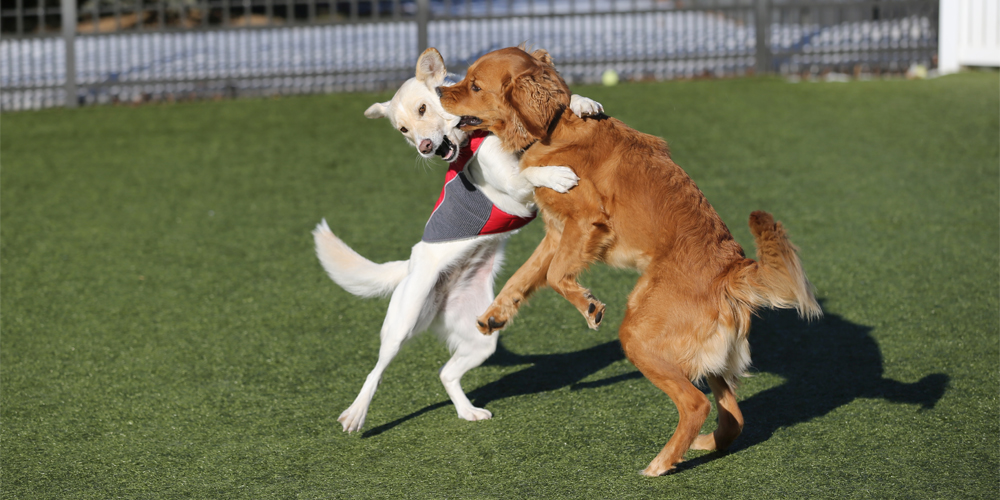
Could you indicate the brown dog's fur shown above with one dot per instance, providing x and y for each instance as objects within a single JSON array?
[{"x": 689, "y": 314}]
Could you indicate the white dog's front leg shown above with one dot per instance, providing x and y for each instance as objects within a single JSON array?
[
  {"x": 501, "y": 172},
  {"x": 584, "y": 106},
  {"x": 521, "y": 186},
  {"x": 560, "y": 179}
]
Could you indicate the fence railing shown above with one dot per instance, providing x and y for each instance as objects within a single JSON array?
[{"x": 71, "y": 52}]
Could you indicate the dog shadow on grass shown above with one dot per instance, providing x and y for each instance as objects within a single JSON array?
[
  {"x": 546, "y": 372},
  {"x": 825, "y": 365}
]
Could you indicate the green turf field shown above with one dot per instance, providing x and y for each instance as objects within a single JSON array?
[{"x": 168, "y": 333}]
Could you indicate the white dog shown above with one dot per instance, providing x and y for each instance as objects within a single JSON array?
[{"x": 448, "y": 279}]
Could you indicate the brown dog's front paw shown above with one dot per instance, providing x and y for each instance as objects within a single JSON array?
[
  {"x": 492, "y": 320},
  {"x": 490, "y": 325}
]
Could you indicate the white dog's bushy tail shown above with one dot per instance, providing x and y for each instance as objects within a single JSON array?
[{"x": 353, "y": 272}]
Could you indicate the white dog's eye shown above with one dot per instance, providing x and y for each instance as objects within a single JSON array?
[
  {"x": 403, "y": 130},
  {"x": 423, "y": 107}
]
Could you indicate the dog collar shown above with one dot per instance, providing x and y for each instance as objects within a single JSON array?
[{"x": 548, "y": 130}]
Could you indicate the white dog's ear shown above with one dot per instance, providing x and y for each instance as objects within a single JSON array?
[
  {"x": 378, "y": 110},
  {"x": 430, "y": 68}
]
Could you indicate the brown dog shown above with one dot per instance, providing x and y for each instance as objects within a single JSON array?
[{"x": 689, "y": 315}]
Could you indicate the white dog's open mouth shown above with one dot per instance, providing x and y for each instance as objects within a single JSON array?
[{"x": 448, "y": 151}]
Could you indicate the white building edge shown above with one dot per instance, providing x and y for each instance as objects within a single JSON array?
[{"x": 968, "y": 34}]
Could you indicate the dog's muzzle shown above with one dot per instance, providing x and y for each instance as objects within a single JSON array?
[
  {"x": 469, "y": 121},
  {"x": 448, "y": 151}
]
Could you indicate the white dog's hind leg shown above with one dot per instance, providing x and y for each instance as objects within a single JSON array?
[
  {"x": 402, "y": 321},
  {"x": 411, "y": 309},
  {"x": 468, "y": 356},
  {"x": 471, "y": 294}
]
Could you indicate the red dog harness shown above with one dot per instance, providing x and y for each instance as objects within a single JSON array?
[{"x": 463, "y": 211}]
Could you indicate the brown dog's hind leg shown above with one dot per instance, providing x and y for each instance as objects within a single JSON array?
[
  {"x": 692, "y": 409},
  {"x": 656, "y": 327},
  {"x": 730, "y": 418}
]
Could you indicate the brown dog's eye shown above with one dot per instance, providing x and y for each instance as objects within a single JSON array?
[
  {"x": 403, "y": 130},
  {"x": 423, "y": 107},
  {"x": 475, "y": 88}
]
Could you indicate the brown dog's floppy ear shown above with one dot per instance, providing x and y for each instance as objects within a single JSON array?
[
  {"x": 540, "y": 55},
  {"x": 535, "y": 97},
  {"x": 543, "y": 57}
]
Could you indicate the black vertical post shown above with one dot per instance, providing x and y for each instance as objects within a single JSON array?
[
  {"x": 762, "y": 16},
  {"x": 423, "y": 16}
]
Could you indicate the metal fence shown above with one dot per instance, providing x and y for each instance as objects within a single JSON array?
[{"x": 137, "y": 50}]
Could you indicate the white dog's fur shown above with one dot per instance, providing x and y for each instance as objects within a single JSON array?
[{"x": 443, "y": 286}]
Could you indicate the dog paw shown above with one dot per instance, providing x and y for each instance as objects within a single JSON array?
[
  {"x": 557, "y": 178},
  {"x": 656, "y": 471},
  {"x": 584, "y": 106},
  {"x": 488, "y": 325},
  {"x": 474, "y": 414},
  {"x": 704, "y": 442},
  {"x": 562, "y": 179},
  {"x": 353, "y": 419},
  {"x": 595, "y": 312}
]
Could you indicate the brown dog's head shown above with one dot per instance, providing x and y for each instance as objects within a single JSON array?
[{"x": 511, "y": 93}]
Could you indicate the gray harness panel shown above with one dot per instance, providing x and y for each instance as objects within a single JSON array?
[{"x": 462, "y": 213}]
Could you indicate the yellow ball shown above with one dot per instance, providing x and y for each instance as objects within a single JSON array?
[{"x": 610, "y": 78}]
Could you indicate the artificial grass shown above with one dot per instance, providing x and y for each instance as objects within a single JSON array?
[{"x": 168, "y": 333}]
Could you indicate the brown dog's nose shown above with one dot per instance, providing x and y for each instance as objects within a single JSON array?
[
  {"x": 426, "y": 146},
  {"x": 438, "y": 90}
]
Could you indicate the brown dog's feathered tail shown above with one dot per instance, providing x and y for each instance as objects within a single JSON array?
[{"x": 775, "y": 280}]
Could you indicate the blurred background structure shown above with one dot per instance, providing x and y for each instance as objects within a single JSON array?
[{"x": 72, "y": 52}]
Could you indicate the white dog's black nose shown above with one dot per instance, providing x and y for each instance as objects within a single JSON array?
[{"x": 426, "y": 146}]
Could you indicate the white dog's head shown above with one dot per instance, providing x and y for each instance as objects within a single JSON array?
[{"x": 416, "y": 111}]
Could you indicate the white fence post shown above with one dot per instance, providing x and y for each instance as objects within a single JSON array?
[
  {"x": 69, "y": 39},
  {"x": 968, "y": 34}
]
